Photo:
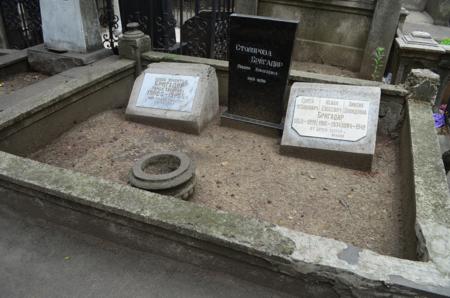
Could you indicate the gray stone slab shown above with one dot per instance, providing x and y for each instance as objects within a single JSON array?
[
  {"x": 177, "y": 96},
  {"x": 71, "y": 25},
  {"x": 334, "y": 124},
  {"x": 48, "y": 62}
]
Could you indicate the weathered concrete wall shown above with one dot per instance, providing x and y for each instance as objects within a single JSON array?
[
  {"x": 249, "y": 7},
  {"x": 13, "y": 63},
  {"x": 330, "y": 32},
  {"x": 47, "y": 116},
  {"x": 415, "y": 5},
  {"x": 439, "y": 11}
]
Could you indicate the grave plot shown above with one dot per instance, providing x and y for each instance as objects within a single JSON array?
[
  {"x": 83, "y": 127},
  {"x": 242, "y": 172},
  {"x": 18, "y": 81}
]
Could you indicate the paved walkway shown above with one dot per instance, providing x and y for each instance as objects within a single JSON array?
[{"x": 39, "y": 259}]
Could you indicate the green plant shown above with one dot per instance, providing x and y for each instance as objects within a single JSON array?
[
  {"x": 446, "y": 41},
  {"x": 378, "y": 60}
]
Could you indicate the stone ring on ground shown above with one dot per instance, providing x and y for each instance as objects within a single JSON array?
[{"x": 167, "y": 173}]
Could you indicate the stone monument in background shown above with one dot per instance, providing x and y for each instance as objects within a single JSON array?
[
  {"x": 72, "y": 36},
  {"x": 71, "y": 25}
]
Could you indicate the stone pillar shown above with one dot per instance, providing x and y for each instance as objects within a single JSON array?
[
  {"x": 133, "y": 43},
  {"x": 249, "y": 7},
  {"x": 382, "y": 32},
  {"x": 423, "y": 85},
  {"x": 71, "y": 25}
]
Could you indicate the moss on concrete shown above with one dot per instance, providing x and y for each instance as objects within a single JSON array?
[{"x": 165, "y": 212}]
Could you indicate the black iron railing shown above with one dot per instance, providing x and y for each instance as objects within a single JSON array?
[
  {"x": 188, "y": 27},
  {"x": 22, "y": 22}
]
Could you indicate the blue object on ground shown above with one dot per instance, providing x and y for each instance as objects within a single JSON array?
[{"x": 439, "y": 120}]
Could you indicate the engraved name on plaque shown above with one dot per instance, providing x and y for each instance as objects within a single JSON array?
[
  {"x": 331, "y": 118},
  {"x": 168, "y": 92}
]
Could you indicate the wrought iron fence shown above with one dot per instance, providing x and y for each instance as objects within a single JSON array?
[
  {"x": 22, "y": 22},
  {"x": 110, "y": 22},
  {"x": 188, "y": 27}
]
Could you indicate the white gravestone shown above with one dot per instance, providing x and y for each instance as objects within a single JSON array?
[
  {"x": 332, "y": 123},
  {"x": 177, "y": 96},
  {"x": 331, "y": 118},
  {"x": 168, "y": 92}
]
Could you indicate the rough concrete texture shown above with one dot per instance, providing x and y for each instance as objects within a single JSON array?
[
  {"x": 414, "y": 5},
  {"x": 31, "y": 110},
  {"x": 13, "y": 63},
  {"x": 41, "y": 95},
  {"x": 423, "y": 85},
  {"x": 351, "y": 272},
  {"x": 249, "y": 7},
  {"x": 392, "y": 114},
  {"x": 421, "y": 21},
  {"x": 41, "y": 259},
  {"x": 132, "y": 41},
  {"x": 205, "y": 104},
  {"x": 51, "y": 63},
  {"x": 357, "y": 154},
  {"x": 439, "y": 11},
  {"x": 431, "y": 191},
  {"x": 330, "y": 33}
]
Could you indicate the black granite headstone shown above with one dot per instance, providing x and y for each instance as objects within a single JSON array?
[{"x": 260, "y": 56}]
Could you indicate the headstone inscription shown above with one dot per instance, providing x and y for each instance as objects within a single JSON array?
[
  {"x": 260, "y": 53},
  {"x": 177, "y": 96},
  {"x": 332, "y": 123}
]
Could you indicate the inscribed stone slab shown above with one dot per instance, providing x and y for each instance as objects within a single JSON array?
[
  {"x": 168, "y": 92},
  {"x": 332, "y": 123},
  {"x": 178, "y": 96}
]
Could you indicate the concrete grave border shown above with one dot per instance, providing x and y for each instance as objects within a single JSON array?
[
  {"x": 13, "y": 62},
  {"x": 277, "y": 257}
]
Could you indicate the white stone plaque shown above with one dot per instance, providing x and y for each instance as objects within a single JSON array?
[
  {"x": 331, "y": 118},
  {"x": 168, "y": 92}
]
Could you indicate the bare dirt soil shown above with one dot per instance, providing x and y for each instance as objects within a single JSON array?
[
  {"x": 19, "y": 81},
  {"x": 244, "y": 173}
]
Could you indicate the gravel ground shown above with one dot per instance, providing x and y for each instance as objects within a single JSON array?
[
  {"x": 243, "y": 173},
  {"x": 19, "y": 81}
]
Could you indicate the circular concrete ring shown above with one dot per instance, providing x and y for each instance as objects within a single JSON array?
[
  {"x": 184, "y": 191},
  {"x": 183, "y": 171}
]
